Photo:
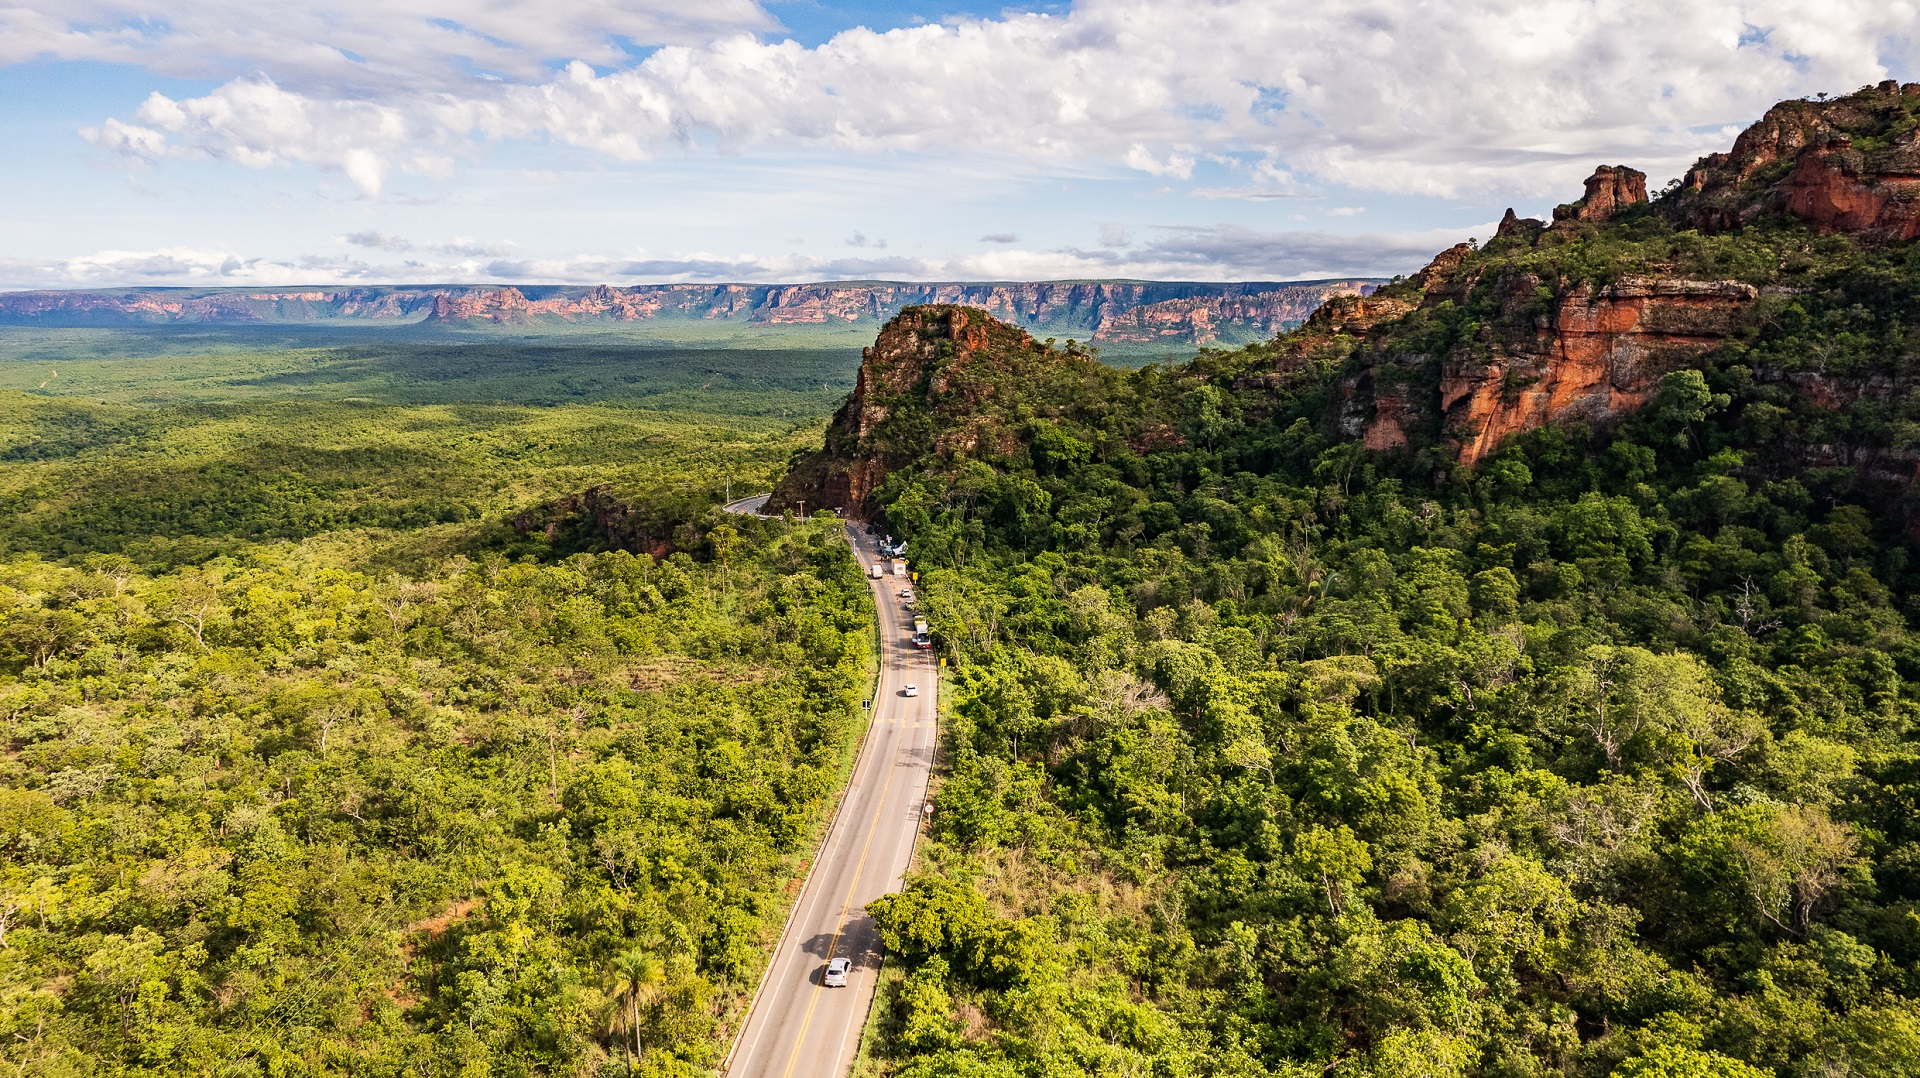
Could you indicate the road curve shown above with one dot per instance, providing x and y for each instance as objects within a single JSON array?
[
  {"x": 749, "y": 507},
  {"x": 799, "y": 1028}
]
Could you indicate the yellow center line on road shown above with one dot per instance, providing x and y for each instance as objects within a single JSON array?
[{"x": 879, "y": 813}]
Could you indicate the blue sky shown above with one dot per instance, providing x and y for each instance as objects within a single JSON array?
[{"x": 196, "y": 142}]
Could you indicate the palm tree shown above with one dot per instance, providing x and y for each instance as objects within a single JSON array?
[{"x": 636, "y": 975}]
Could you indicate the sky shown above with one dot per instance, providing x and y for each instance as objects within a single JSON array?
[{"x": 236, "y": 143}]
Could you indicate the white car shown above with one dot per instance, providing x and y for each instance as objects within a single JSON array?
[
  {"x": 836, "y": 976},
  {"x": 911, "y": 690}
]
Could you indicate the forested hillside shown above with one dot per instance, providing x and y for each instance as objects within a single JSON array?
[
  {"x": 1277, "y": 744},
  {"x": 1509, "y": 673}
]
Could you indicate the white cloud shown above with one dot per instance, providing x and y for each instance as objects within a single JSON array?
[
  {"x": 378, "y": 240},
  {"x": 255, "y": 123},
  {"x": 1516, "y": 97},
  {"x": 1219, "y": 253},
  {"x": 360, "y": 46}
]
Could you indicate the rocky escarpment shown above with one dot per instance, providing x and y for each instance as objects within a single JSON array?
[
  {"x": 939, "y": 381},
  {"x": 1205, "y": 320},
  {"x": 1580, "y": 319},
  {"x": 1595, "y": 352},
  {"x": 1846, "y": 165},
  {"x": 1548, "y": 350},
  {"x": 225, "y": 306},
  {"x": 1117, "y": 312},
  {"x": 1101, "y": 311}
]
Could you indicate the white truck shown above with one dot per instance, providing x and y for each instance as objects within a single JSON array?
[
  {"x": 899, "y": 567},
  {"x": 875, "y": 571}
]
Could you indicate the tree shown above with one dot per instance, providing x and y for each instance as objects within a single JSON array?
[
  {"x": 1677, "y": 1061},
  {"x": 1781, "y": 860},
  {"x": 725, "y": 540},
  {"x": 1335, "y": 857},
  {"x": 636, "y": 977},
  {"x": 193, "y": 602}
]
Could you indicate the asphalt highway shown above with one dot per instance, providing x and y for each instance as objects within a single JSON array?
[{"x": 799, "y": 1028}]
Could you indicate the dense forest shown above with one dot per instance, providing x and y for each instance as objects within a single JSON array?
[
  {"x": 315, "y": 763},
  {"x": 1270, "y": 754},
  {"x": 414, "y": 711}
]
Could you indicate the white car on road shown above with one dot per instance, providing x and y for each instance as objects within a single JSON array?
[
  {"x": 836, "y": 976},
  {"x": 910, "y": 690}
]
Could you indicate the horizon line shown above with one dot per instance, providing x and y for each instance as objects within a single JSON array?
[{"x": 848, "y": 283}]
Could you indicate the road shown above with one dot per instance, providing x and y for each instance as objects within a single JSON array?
[{"x": 798, "y": 1027}]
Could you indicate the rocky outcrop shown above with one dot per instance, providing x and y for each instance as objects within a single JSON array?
[
  {"x": 1840, "y": 189},
  {"x": 1611, "y": 189},
  {"x": 1580, "y": 348},
  {"x": 1586, "y": 351},
  {"x": 1847, "y": 165},
  {"x": 940, "y": 381},
  {"x": 1601, "y": 353}
]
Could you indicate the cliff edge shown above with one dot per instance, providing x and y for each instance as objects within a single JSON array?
[
  {"x": 1579, "y": 319},
  {"x": 941, "y": 381}
]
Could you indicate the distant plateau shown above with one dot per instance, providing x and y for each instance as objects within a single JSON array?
[{"x": 1128, "y": 313}]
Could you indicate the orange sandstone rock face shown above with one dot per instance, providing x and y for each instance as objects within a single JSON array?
[
  {"x": 1601, "y": 354},
  {"x": 1560, "y": 350},
  {"x": 1838, "y": 189},
  {"x": 1800, "y": 159},
  {"x": 1551, "y": 353},
  {"x": 1610, "y": 189}
]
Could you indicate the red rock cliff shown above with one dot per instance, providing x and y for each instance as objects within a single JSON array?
[
  {"x": 1553, "y": 353},
  {"x": 1801, "y": 159},
  {"x": 1594, "y": 349},
  {"x": 940, "y": 380},
  {"x": 1610, "y": 189},
  {"x": 1601, "y": 353}
]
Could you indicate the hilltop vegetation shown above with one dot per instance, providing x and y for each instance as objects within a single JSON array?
[{"x": 1272, "y": 754}]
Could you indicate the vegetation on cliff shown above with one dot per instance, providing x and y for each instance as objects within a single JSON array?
[{"x": 1270, "y": 753}]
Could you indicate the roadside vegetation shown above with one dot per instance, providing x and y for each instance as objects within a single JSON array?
[{"x": 316, "y": 764}]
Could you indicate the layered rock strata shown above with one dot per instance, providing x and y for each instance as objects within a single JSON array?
[
  {"x": 1114, "y": 312},
  {"x": 1847, "y": 165}
]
